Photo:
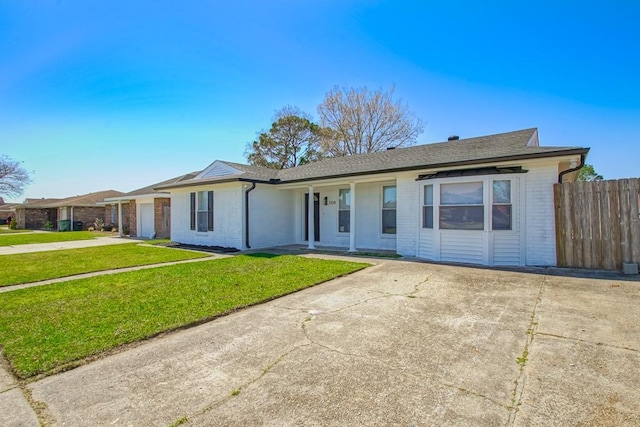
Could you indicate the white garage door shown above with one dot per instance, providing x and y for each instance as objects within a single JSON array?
[{"x": 146, "y": 220}]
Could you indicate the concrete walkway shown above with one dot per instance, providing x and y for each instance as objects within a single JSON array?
[
  {"x": 74, "y": 244},
  {"x": 400, "y": 343}
]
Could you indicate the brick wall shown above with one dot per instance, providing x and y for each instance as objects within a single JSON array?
[
  {"x": 133, "y": 225},
  {"x": 113, "y": 219},
  {"x": 34, "y": 219},
  {"x": 88, "y": 215},
  {"x": 162, "y": 216}
]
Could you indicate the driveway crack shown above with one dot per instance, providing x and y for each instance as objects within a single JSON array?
[
  {"x": 519, "y": 383},
  {"x": 326, "y": 347},
  {"x": 473, "y": 393},
  {"x": 562, "y": 337},
  {"x": 236, "y": 391}
]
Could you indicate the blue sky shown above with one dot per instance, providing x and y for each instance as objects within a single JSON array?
[{"x": 99, "y": 95}]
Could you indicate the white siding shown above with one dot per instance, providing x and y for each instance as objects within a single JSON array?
[
  {"x": 540, "y": 216},
  {"x": 506, "y": 248},
  {"x": 369, "y": 218},
  {"x": 271, "y": 217},
  {"x": 218, "y": 168},
  {"x": 426, "y": 247},
  {"x": 408, "y": 215},
  {"x": 329, "y": 234},
  {"x": 227, "y": 217},
  {"x": 462, "y": 246}
]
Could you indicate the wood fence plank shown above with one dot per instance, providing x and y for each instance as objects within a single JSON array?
[
  {"x": 606, "y": 227},
  {"x": 616, "y": 233},
  {"x": 596, "y": 225},
  {"x": 634, "y": 214},
  {"x": 578, "y": 234},
  {"x": 587, "y": 225},
  {"x": 568, "y": 233},
  {"x": 560, "y": 227},
  {"x": 625, "y": 238}
]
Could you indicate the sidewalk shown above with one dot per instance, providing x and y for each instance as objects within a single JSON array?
[{"x": 74, "y": 244}]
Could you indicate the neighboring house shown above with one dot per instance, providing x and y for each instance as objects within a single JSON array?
[
  {"x": 82, "y": 211},
  {"x": 485, "y": 200},
  {"x": 6, "y": 210},
  {"x": 145, "y": 212}
]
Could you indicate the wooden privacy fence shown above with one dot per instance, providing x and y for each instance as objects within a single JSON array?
[{"x": 597, "y": 223}]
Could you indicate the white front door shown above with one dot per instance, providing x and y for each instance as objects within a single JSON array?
[{"x": 146, "y": 220}]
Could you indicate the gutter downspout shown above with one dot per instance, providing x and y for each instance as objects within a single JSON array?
[
  {"x": 563, "y": 173},
  {"x": 246, "y": 213}
]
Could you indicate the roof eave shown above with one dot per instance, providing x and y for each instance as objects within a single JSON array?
[
  {"x": 447, "y": 164},
  {"x": 209, "y": 182}
]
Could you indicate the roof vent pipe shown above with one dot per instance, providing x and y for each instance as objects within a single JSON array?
[
  {"x": 391, "y": 148},
  {"x": 453, "y": 138}
]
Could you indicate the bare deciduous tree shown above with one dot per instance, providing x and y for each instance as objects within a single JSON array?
[
  {"x": 361, "y": 121},
  {"x": 292, "y": 140},
  {"x": 13, "y": 177}
]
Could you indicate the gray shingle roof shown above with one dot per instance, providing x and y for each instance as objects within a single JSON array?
[
  {"x": 490, "y": 148},
  {"x": 91, "y": 199},
  {"x": 151, "y": 189}
]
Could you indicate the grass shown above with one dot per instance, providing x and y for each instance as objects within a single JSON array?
[
  {"x": 6, "y": 230},
  {"x": 33, "y": 267},
  {"x": 48, "y": 328},
  {"x": 49, "y": 237}
]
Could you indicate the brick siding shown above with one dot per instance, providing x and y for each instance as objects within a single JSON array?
[{"x": 162, "y": 217}]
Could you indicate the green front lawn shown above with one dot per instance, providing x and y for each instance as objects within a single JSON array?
[
  {"x": 48, "y": 328},
  {"x": 7, "y": 230},
  {"x": 32, "y": 267},
  {"x": 48, "y": 237}
]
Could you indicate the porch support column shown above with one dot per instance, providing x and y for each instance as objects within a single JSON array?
[
  {"x": 310, "y": 219},
  {"x": 352, "y": 217},
  {"x": 120, "y": 222},
  {"x": 71, "y": 228}
]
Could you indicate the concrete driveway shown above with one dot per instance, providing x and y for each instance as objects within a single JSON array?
[
  {"x": 72, "y": 244},
  {"x": 400, "y": 343}
]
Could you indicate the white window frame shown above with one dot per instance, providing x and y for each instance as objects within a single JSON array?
[
  {"x": 382, "y": 209},
  {"x": 510, "y": 204},
  {"x": 483, "y": 205},
  {"x": 348, "y": 191}
]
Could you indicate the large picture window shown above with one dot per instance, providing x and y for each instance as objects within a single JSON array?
[
  {"x": 427, "y": 208},
  {"x": 501, "y": 205},
  {"x": 462, "y": 206},
  {"x": 344, "y": 210},
  {"x": 389, "y": 203},
  {"x": 202, "y": 211}
]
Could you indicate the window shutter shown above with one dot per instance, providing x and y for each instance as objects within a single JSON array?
[
  {"x": 210, "y": 212},
  {"x": 193, "y": 211}
]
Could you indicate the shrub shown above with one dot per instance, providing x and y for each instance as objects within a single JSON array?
[{"x": 98, "y": 223}]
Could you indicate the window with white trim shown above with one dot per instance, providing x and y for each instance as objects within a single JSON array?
[
  {"x": 389, "y": 203},
  {"x": 201, "y": 211},
  {"x": 427, "y": 207},
  {"x": 344, "y": 210},
  {"x": 501, "y": 209},
  {"x": 462, "y": 206}
]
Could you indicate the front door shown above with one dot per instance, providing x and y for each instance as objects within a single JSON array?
[{"x": 316, "y": 216}]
